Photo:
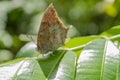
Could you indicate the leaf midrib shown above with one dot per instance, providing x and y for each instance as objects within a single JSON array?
[
  {"x": 14, "y": 77},
  {"x": 103, "y": 61},
  {"x": 118, "y": 68}
]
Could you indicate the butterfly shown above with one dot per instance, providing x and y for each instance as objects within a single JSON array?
[{"x": 52, "y": 32}]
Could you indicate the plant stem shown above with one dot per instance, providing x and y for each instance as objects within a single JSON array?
[
  {"x": 105, "y": 37},
  {"x": 75, "y": 48}
]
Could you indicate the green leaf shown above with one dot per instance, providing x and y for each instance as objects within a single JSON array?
[
  {"x": 66, "y": 68},
  {"x": 49, "y": 63},
  {"x": 100, "y": 60},
  {"x": 21, "y": 69},
  {"x": 79, "y": 41},
  {"x": 27, "y": 51},
  {"x": 112, "y": 32}
]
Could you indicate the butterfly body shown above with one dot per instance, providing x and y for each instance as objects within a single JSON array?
[{"x": 52, "y": 33}]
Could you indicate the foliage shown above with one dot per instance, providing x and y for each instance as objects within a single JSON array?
[
  {"x": 19, "y": 17},
  {"x": 95, "y": 56},
  {"x": 98, "y": 59}
]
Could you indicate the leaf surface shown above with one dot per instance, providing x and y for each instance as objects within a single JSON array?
[{"x": 100, "y": 60}]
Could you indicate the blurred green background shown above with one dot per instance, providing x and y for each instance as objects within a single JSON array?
[{"x": 18, "y": 17}]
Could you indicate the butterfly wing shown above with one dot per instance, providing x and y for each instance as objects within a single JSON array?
[{"x": 52, "y": 32}]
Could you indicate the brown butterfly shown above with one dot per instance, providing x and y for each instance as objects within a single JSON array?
[{"x": 52, "y": 32}]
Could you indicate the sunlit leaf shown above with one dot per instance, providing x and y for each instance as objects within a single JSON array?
[
  {"x": 65, "y": 70},
  {"x": 100, "y": 60},
  {"x": 27, "y": 51},
  {"x": 22, "y": 69},
  {"x": 79, "y": 41},
  {"x": 49, "y": 63},
  {"x": 112, "y": 32}
]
